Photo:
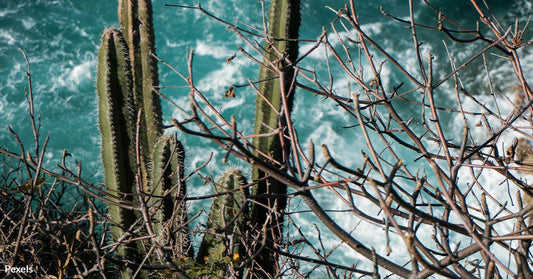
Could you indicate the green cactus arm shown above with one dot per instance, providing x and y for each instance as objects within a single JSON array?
[
  {"x": 181, "y": 238},
  {"x": 128, "y": 20},
  {"x": 125, "y": 18},
  {"x": 135, "y": 17},
  {"x": 169, "y": 189},
  {"x": 284, "y": 22},
  {"x": 130, "y": 123},
  {"x": 159, "y": 172},
  {"x": 151, "y": 101},
  {"x": 228, "y": 216},
  {"x": 114, "y": 114}
]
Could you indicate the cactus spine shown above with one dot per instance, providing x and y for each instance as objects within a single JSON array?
[{"x": 284, "y": 22}]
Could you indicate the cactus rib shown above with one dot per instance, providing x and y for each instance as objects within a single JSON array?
[
  {"x": 135, "y": 17},
  {"x": 114, "y": 113},
  {"x": 138, "y": 159}
]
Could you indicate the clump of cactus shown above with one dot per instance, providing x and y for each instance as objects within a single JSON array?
[
  {"x": 275, "y": 84},
  {"x": 221, "y": 249},
  {"x": 144, "y": 168}
]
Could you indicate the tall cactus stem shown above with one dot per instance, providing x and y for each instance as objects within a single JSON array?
[
  {"x": 151, "y": 101},
  {"x": 127, "y": 76},
  {"x": 135, "y": 17},
  {"x": 115, "y": 112},
  {"x": 284, "y": 22}
]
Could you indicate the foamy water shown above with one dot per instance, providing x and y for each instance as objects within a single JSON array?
[{"x": 61, "y": 40}]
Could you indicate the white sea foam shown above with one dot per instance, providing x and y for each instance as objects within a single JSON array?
[
  {"x": 7, "y": 112},
  {"x": 7, "y": 37},
  {"x": 74, "y": 75},
  {"x": 496, "y": 184},
  {"x": 217, "y": 51},
  {"x": 373, "y": 29},
  {"x": 28, "y": 23},
  {"x": 81, "y": 72},
  {"x": 225, "y": 76},
  {"x": 174, "y": 44},
  {"x": 6, "y": 12},
  {"x": 81, "y": 31}
]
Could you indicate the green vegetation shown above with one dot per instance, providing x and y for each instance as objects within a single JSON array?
[
  {"x": 278, "y": 91},
  {"x": 425, "y": 197},
  {"x": 115, "y": 113},
  {"x": 144, "y": 168}
]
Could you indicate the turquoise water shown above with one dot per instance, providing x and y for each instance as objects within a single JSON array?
[{"x": 61, "y": 40}]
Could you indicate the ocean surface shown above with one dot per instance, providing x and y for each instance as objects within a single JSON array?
[{"x": 61, "y": 39}]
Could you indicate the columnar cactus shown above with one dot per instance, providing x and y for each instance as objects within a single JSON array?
[
  {"x": 135, "y": 18},
  {"x": 139, "y": 161},
  {"x": 284, "y": 22},
  {"x": 226, "y": 224},
  {"x": 166, "y": 183},
  {"x": 115, "y": 113},
  {"x": 142, "y": 165}
]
